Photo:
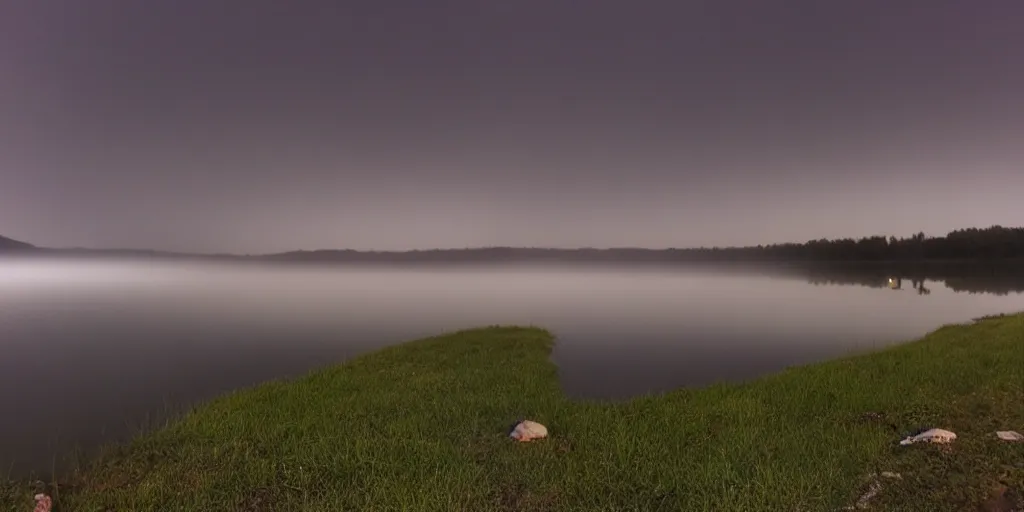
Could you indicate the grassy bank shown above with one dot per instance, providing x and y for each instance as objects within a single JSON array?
[{"x": 423, "y": 426}]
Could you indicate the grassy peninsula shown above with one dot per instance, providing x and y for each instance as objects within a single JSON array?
[{"x": 422, "y": 426}]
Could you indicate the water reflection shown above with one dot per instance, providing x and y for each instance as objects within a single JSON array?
[
  {"x": 982, "y": 280},
  {"x": 896, "y": 283}
]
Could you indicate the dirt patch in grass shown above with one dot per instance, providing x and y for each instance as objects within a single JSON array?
[{"x": 1003, "y": 499}]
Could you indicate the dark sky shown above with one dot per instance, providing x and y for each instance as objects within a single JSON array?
[{"x": 259, "y": 125}]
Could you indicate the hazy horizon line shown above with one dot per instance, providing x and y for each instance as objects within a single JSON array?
[{"x": 484, "y": 248}]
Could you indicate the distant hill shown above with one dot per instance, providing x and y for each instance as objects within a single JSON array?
[{"x": 8, "y": 244}]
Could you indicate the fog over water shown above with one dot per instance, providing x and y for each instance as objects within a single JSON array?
[{"x": 92, "y": 350}]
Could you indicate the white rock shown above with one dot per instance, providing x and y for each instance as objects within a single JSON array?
[
  {"x": 1009, "y": 435},
  {"x": 529, "y": 430},
  {"x": 935, "y": 435}
]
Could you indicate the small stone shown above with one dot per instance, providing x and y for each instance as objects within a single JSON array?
[
  {"x": 864, "y": 501},
  {"x": 43, "y": 503},
  {"x": 875, "y": 487},
  {"x": 528, "y": 431},
  {"x": 872, "y": 416},
  {"x": 1010, "y": 435}
]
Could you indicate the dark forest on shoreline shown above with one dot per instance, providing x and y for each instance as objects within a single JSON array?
[{"x": 993, "y": 243}]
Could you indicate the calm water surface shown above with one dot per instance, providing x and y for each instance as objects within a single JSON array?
[{"x": 90, "y": 351}]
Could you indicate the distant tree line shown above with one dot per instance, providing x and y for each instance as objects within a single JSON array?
[
  {"x": 996, "y": 242},
  {"x": 991, "y": 243},
  {"x": 980, "y": 245}
]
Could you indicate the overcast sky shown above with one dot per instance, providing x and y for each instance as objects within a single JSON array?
[{"x": 259, "y": 125}]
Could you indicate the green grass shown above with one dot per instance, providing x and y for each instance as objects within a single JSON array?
[{"x": 423, "y": 426}]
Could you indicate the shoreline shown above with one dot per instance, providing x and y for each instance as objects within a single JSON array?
[{"x": 423, "y": 425}]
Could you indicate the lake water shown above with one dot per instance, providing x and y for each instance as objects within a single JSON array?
[{"x": 90, "y": 351}]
